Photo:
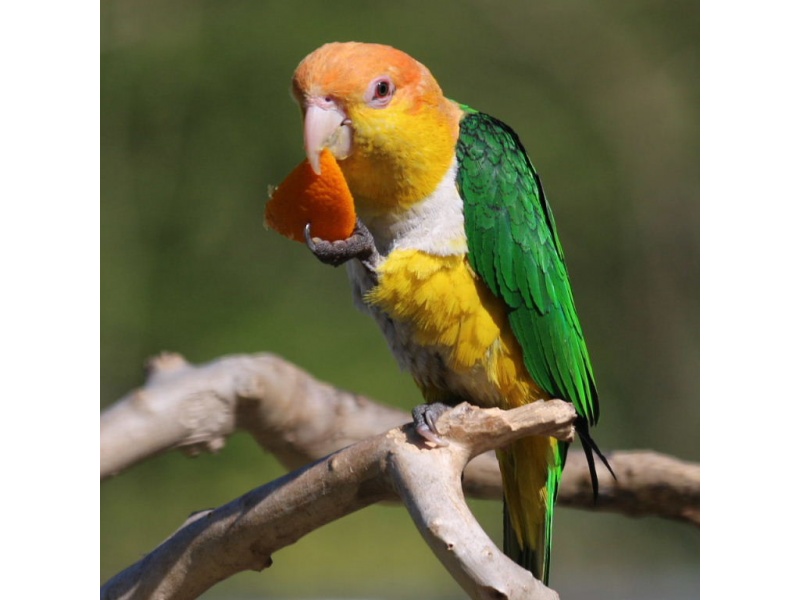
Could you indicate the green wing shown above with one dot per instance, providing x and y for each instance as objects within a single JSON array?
[{"x": 514, "y": 248}]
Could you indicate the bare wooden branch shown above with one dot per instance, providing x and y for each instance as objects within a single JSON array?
[
  {"x": 435, "y": 500},
  {"x": 244, "y": 533},
  {"x": 300, "y": 420},
  {"x": 648, "y": 483},
  {"x": 286, "y": 410}
]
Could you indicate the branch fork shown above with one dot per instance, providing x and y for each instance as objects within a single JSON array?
[{"x": 355, "y": 462}]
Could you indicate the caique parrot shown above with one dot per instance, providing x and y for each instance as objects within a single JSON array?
[{"x": 456, "y": 256}]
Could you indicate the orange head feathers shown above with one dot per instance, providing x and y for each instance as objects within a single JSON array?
[{"x": 383, "y": 116}]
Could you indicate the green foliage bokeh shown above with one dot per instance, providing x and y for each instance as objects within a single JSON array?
[{"x": 197, "y": 122}]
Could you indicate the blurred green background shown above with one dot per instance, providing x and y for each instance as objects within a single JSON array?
[{"x": 197, "y": 122}]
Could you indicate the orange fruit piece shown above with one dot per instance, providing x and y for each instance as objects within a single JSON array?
[{"x": 304, "y": 197}]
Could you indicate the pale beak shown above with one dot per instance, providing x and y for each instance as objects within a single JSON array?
[{"x": 326, "y": 127}]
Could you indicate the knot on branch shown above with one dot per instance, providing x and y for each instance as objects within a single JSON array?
[
  {"x": 211, "y": 446},
  {"x": 164, "y": 363}
]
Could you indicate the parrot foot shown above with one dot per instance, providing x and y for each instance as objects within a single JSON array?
[
  {"x": 360, "y": 245},
  {"x": 425, "y": 417}
]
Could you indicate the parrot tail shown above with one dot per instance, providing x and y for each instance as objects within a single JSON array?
[{"x": 531, "y": 469}]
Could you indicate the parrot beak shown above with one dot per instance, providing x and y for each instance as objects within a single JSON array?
[{"x": 326, "y": 126}]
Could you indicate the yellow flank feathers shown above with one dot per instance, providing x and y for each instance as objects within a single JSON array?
[{"x": 447, "y": 307}]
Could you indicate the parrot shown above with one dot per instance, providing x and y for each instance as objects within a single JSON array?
[{"x": 455, "y": 255}]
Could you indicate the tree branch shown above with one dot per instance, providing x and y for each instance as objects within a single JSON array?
[
  {"x": 300, "y": 419},
  {"x": 244, "y": 533}
]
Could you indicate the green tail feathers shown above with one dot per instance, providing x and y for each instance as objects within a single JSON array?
[
  {"x": 528, "y": 526},
  {"x": 537, "y": 563}
]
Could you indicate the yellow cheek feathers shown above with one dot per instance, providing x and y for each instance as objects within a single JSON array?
[
  {"x": 400, "y": 154},
  {"x": 304, "y": 197}
]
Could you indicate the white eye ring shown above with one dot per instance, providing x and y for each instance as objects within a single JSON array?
[{"x": 380, "y": 92}]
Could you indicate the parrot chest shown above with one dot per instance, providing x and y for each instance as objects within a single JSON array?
[
  {"x": 445, "y": 327},
  {"x": 441, "y": 321},
  {"x": 426, "y": 308}
]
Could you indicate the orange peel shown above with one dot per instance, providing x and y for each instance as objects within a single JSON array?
[{"x": 304, "y": 197}]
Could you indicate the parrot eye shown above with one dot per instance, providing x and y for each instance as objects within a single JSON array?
[{"x": 380, "y": 92}]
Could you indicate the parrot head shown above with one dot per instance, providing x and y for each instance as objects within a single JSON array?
[{"x": 383, "y": 116}]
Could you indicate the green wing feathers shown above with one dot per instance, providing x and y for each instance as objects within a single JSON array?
[{"x": 514, "y": 248}]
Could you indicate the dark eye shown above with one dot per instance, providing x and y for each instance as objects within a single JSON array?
[
  {"x": 379, "y": 93},
  {"x": 382, "y": 89}
]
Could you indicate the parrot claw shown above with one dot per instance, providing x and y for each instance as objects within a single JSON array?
[
  {"x": 425, "y": 417},
  {"x": 359, "y": 245}
]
